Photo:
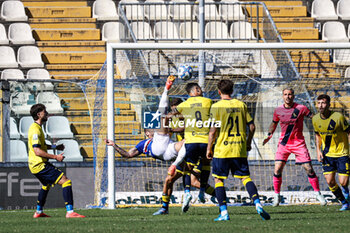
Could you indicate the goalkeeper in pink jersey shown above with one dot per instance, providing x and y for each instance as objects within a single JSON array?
[{"x": 291, "y": 116}]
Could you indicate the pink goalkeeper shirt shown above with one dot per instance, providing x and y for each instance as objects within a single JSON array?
[{"x": 291, "y": 121}]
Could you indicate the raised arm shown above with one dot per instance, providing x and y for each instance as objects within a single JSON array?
[{"x": 132, "y": 152}]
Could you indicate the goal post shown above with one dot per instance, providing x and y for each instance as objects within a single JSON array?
[{"x": 131, "y": 61}]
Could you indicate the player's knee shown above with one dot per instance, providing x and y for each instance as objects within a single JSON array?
[
  {"x": 245, "y": 180},
  {"x": 67, "y": 184}
]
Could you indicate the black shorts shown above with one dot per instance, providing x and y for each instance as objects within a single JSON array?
[
  {"x": 238, "y": 166},
  {"x": 50, "y": 175},
  {"x": 195, "y": 151},
  {"x": 336, "y": 164}
]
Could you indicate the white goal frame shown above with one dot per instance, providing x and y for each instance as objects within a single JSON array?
[{"x": 111, "y": 47}]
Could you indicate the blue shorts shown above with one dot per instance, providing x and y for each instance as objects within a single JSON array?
[
  {"x": 50, "y": 175},
  {"x": 339, "y": 164},
  {"x": 195, "y": 151},
  {"x": 238, "y": 166}
]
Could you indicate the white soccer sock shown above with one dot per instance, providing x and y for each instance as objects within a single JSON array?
[
  {"x": 164, "y": 102},
  {"x": 180, "y": 156}
]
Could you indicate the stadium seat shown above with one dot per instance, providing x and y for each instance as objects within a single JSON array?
[
  {"x": 50, "y": 151},
  {"x": 18, "y": 151},
  {"x": 71, "y": 150},
  {"x": 142, "y": 30},
  {"x": 231, "y": 11},
  {"x": 24, "y": 124},
  {"x": 156, "y": 11},
  {"x": 51, "y": 101},
  {"x": 13, "y": 11},
  {"x": 242, "y": 31},
  {"x": 7, "y": 57},
  {"x": 166, "y": 30},
  {"x": 181, "y": 11},
  {"x": 216, "y": 30},
  {"x": 3, "y": 35},
  {"x": 29, "y": 57},
  {"x": 40, "y": 74},
  {"x": 14, "y": 134},
  {"x": 58, "y": 127},
  {"x": 189, "y": 30},
  {"x": 341, "y": 57},
  {"x": 347, "y": 73},
  {"x": 133, "y": 12},
  {"x": 323, "y": 10},
  {"x": 21, "y": 102},
  {"x": 210, "y": 11},
  {"x": 334, "y": 32},
  {"x": 104, "y": 10},
  {"x": 343, "y": 9},
  {"x": 113, "y": 31},
  {"x": 12, "y": 74},
  {"x": 20, "y": 33}
]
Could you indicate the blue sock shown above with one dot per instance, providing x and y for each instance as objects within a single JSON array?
[
  {"x": 39, "y": 208},
  {"x": 223, "y": 209},
  {"x": 220, "y": 193},
  {"x": 187, "y": 183},
  {"x": 69, "y": 207},
  {"x": 252, "y": 190},
  {"x": 345, "y": 190},
  {"x": 256, "y": 201}
]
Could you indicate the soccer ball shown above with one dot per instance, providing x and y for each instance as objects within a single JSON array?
[{"x": 185, "y": 72}]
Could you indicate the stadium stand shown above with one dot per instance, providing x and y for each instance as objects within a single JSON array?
[
  {"x": 18, "y": 151},
  {"x": 216, "y": 30},
  {"x": 13, "y": 11},
  {"x": 3, "y": 35},
  {"x": 343, "y": 9},
  {"x": 323, "y": 10},
  {"x": 40, "y": 74},
  {"x": 71, "y": 150},
  {"x": 24, "y": 124},
  {"x": 7, "y": 57},
  {"x": 51, "y": 101},
  {"x": 113, "y": 31},
  {"x": 71, "y": 39},
  {"x": 104, "y": 10},
  {"x": 12, "y": 74},
  {"x": 142, "y": 30},
  {"x": 20, "y": 34},
  {"x": 334, "y": 32},
  {"x": 58, "y": 127},
  {"x": 14, "y": 134},
  {"x": 156, "y": 11},
  {"x": 242, "y": 31},
  {"x": 29, "y": 57}
]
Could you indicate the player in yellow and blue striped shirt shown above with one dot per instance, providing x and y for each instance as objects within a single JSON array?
[
  {"x": 39, "y": 166},
  {"x": 232, "y": 144},
  {"x": 195, "y": 111},
  {"x": 332, "y": 145}
]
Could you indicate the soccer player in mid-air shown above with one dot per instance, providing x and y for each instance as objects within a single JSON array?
[
  {"x": 38, "y": 163},
  {"x": 232, "y": 144},
  {"x": 291, "y": 116},
  {"x": 158, "y": 143},
  {"x": 332, "y": 131}
]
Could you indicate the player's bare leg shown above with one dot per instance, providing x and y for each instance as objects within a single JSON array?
[
  {"x": 277, "y": 181},
  {"x": 336, "y": 190},
  {"x": 167, "y": 191},
  {"x": 314, "y": 182}
]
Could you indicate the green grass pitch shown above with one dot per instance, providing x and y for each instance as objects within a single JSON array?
[{"x": 198, "y": 219}]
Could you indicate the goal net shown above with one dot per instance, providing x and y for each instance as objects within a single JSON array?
[{"x": 259, "y": 73}]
